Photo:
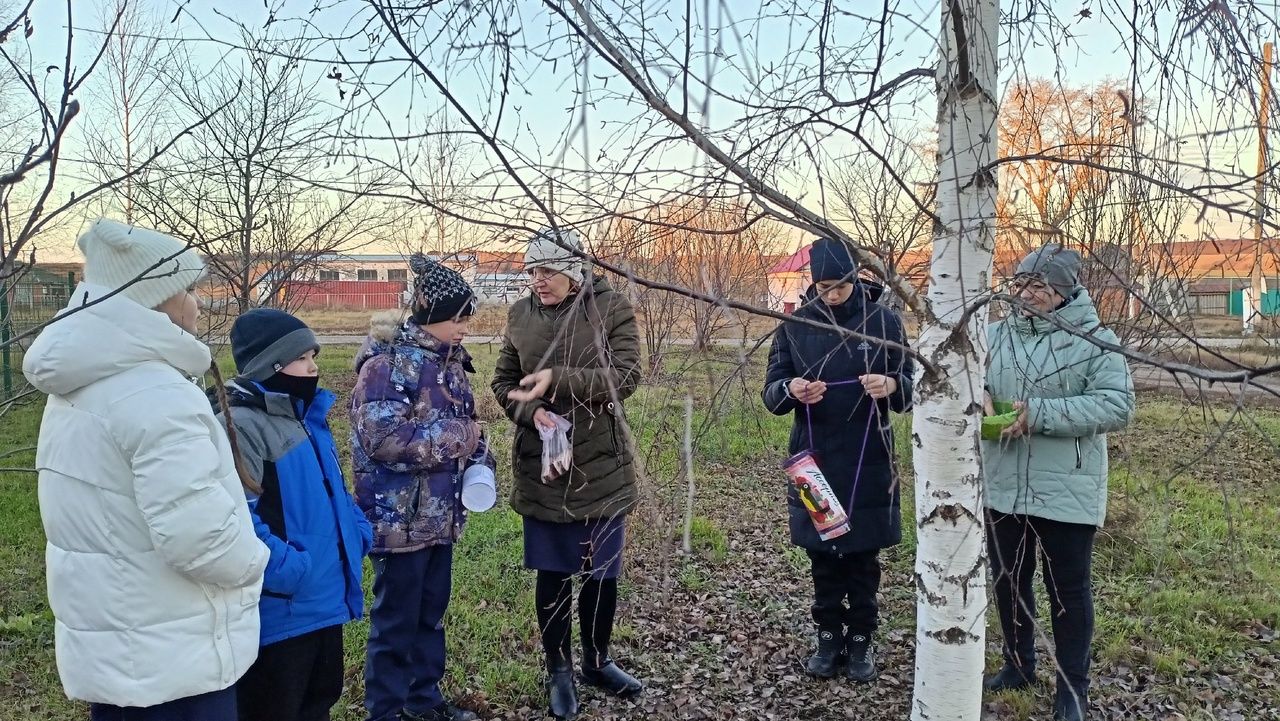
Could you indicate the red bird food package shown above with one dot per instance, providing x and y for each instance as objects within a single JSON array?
[{"x": 815, "y": 493}]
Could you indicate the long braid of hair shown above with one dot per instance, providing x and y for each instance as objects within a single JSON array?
[{"x": 225, "y": 404}]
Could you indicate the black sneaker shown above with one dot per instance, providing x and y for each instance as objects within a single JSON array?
[
  {"x": 1010, "y": 678},
  {"x": 861, "y": 666},
  {"x": 827, "y": 659}
]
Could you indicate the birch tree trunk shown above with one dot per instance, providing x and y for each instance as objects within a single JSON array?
[{"x": 950, "y": 568}]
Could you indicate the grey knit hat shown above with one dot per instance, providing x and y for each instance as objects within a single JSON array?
[
  {"x": 265, "y": 340},
  {"x": 544, "y": 252},
  {"x": 1055, "y": 265}
]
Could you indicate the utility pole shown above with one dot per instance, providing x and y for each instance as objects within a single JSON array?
[{"x": 1257, "y": 286}]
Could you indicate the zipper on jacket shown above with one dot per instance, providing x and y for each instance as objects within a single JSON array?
[
  {"x": 342, "y": 546},
  {"x": 1079, "y": 458}
]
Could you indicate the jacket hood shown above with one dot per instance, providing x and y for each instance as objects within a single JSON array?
[
  {"x": 391, "y": 329},
  {"x": 864, "y": 292},
  {"x": 107, "y": 338},
  {"x": 1079, "y": 312}
]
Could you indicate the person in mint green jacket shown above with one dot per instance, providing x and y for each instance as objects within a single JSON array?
[{"x": 1047, "y": 475}]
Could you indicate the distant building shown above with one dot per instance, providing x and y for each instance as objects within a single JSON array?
[
  {"x": 341, "y": 280},
  {"x": 43, "y": 287}
]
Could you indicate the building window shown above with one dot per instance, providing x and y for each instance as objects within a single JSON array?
[
  {"x": 366, "y": 274},
  {"x": 400, "y": 274},
  {"x": 328, "y": 275}
]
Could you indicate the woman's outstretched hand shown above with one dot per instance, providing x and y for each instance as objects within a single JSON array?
[{"x": 532, "y": 387}]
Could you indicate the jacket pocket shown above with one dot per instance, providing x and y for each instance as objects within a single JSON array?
[{"x": 1079, "y": 455}]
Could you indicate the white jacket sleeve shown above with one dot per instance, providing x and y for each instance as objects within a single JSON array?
[{"x": 196, "y": 523}]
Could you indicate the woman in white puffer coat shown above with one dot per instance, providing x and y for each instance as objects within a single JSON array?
[{"x": 154, "y": 570}]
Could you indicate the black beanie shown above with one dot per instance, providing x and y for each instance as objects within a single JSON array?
[
  {"x": 830, "y": 260},
  {"x": 439, "y": 293},
  {"x": 264, "y": 340}
]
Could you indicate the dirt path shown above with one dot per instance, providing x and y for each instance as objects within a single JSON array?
[{"x": 1151, "y": 378}]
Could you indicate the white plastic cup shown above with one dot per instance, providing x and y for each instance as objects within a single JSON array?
[{"x": 479, "y": 488}]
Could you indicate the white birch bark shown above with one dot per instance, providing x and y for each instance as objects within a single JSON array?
[{"x": 950, "y": 568}]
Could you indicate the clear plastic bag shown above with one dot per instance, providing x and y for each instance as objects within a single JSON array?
[{"x": 557, "y": 451}]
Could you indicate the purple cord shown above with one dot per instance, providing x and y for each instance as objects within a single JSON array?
[{"x": 866, "y": 436}]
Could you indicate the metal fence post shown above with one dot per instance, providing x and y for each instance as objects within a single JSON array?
[{"x": 5, "y": 335}]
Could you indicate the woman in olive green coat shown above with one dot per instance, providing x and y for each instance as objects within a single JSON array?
[
  {"x": 1047, "y": 477},
  {"x": 572, "y": 349}
]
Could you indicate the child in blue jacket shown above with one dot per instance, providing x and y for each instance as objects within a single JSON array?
[{"x": 303, "y": 513}]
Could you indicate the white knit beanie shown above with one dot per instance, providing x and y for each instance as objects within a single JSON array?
[
  {"x": 543, "y": 252},
  {"x": 151, "y": 267}
]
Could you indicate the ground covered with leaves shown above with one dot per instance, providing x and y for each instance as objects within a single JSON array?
[{"x": 1186, "y": 577}]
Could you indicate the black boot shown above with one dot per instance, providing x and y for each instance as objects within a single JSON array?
[
  {"x": 826, "y": 660},
  {"x": 1011, "y": 678},
  {"x": 862, "y": 660},
  {"x": 561, "y": 691},
  {"x": 611, "y": 678},
  {"x": 1069, "y": 705}
]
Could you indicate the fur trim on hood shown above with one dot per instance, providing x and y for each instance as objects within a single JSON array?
[{"x": 385, "y": 325}]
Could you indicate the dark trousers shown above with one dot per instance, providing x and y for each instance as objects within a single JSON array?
[
  {"x": 854, "y": 577},
  {"x": 216, "y": 706},
  {"x": 297, "y": 679},
  {"x": 1066, "y": 553},
  {"x": 405, "y": 660}
]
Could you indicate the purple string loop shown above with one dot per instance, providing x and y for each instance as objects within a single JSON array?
[{"x": 866, "y": 436}]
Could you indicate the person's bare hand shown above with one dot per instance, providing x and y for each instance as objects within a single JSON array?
[
  {"x": 878, "y": 386},
  {"x": 1019, "y": 427},
  {"x": 532, "y": 387},
  {"x": 542, "y": 420},
  {"x": 807, "y": 392}
]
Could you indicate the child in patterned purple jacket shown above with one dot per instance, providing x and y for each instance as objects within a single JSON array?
[{"x": 414, "y": 433}]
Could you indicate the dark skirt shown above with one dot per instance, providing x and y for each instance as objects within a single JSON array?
[{"x": 593, "y": 548}]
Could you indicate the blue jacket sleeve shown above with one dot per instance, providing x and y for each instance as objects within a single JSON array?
[
  {"x": 362, "y": 523},
  {"x": 288, "y": 563}
]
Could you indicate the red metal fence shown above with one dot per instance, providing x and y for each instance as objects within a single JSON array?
[{"x": 346, "y": 294}]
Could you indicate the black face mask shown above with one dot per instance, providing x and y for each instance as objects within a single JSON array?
[{"x": 302, "y": 388}]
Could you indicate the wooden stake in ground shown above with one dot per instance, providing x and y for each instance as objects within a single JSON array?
[
  {"x": 688, "y": 473},
  {"x": 950, "y": 569}
]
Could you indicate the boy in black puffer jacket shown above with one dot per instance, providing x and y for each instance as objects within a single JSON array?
[{"x": 841, "y": 391}]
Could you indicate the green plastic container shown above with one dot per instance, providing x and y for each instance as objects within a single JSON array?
[{"x": 1005, "y": 416}]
